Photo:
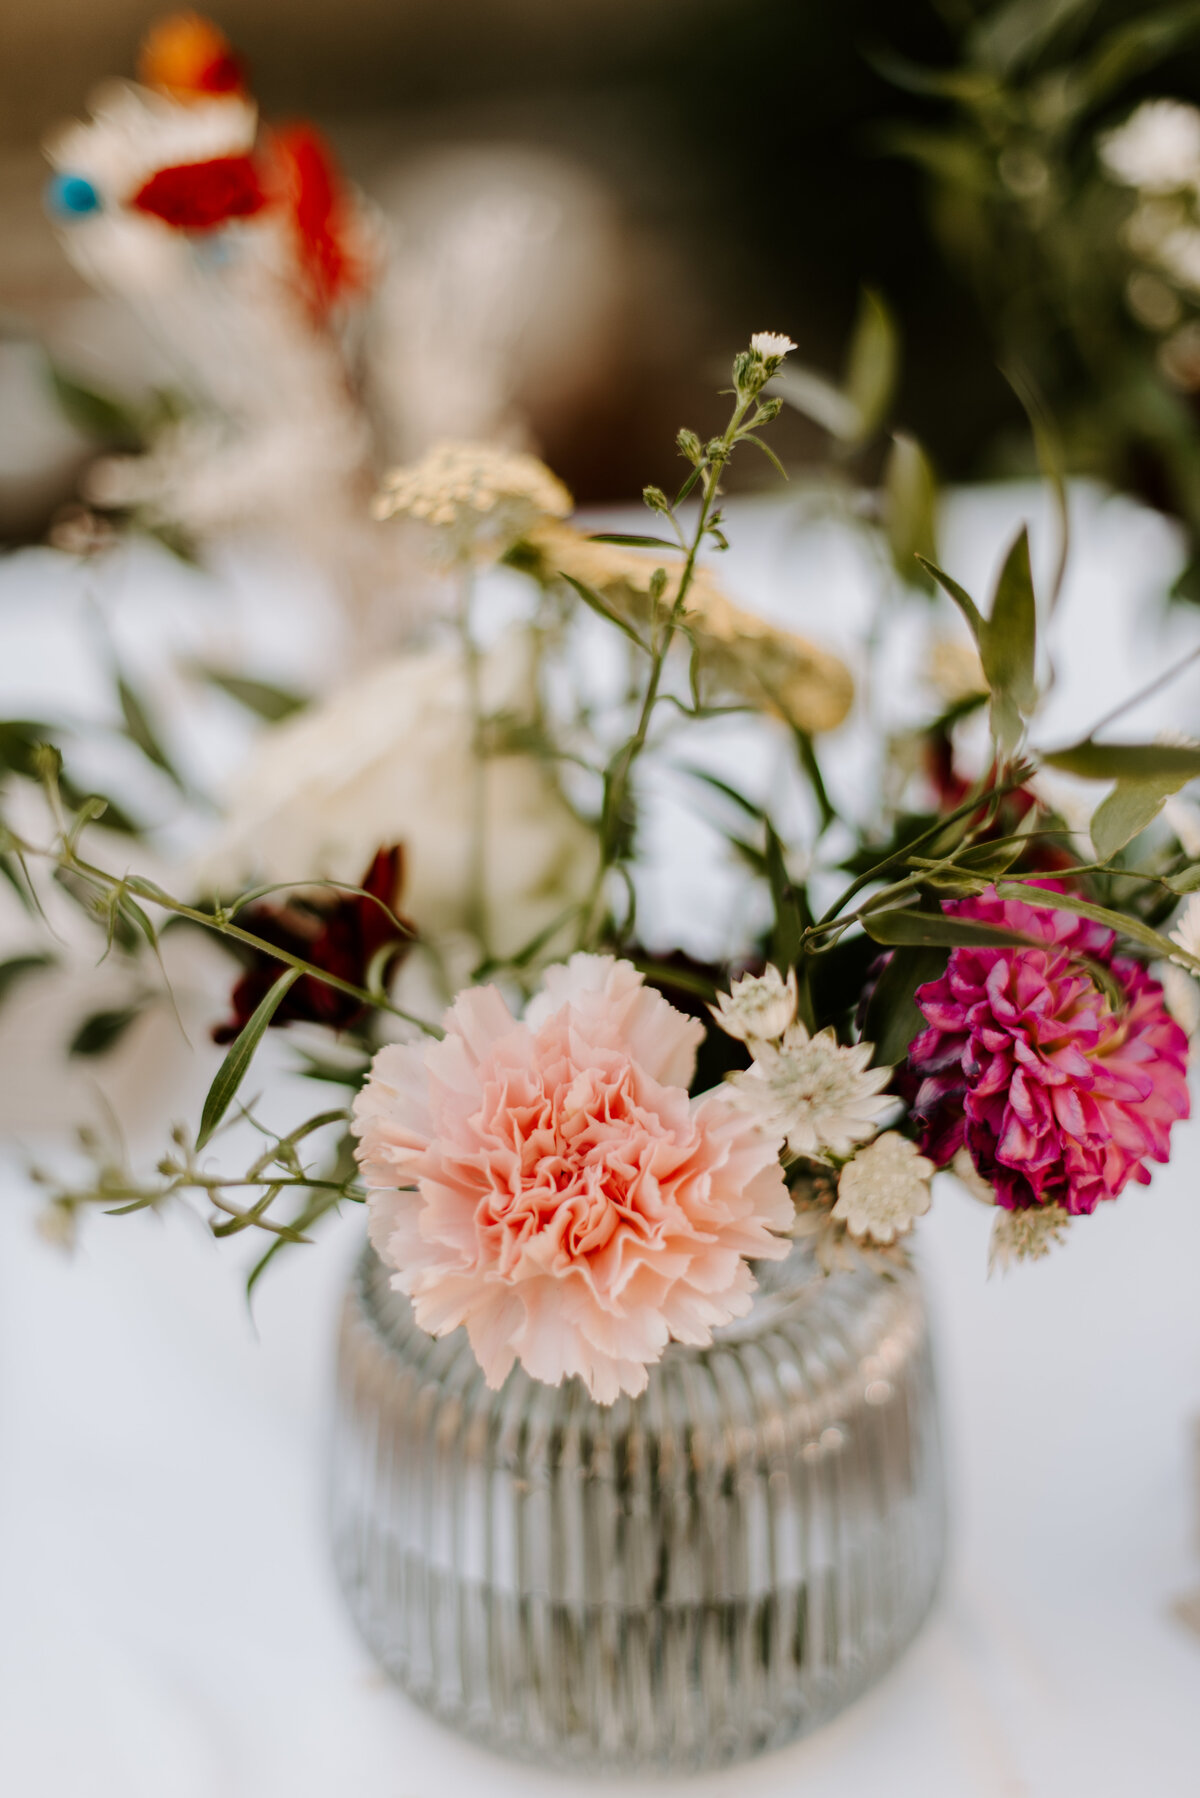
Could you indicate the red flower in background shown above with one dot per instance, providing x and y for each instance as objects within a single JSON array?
[
  {"x": 199, "y": 196},
  {"x": 302, "y": 175},
  {"x": 342, "y": 933}
]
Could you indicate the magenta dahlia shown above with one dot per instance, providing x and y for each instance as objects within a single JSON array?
[{"x": 1058, "y": 1098}]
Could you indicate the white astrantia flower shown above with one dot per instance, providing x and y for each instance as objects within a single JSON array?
[
  {"x": 771, "y": 345},
  {"x": 823, "y": 1098},
  {"x": 483, "y": 496},
  {"x": 1157, "y": 149},
  {"x": 883, "y": 1191},
  {"x": 757, "y": 1005},
  {"x": 1026, "y": 1234},
  {"x": 1187, "y": 932},
  {"x": 1182, "y": 996}
]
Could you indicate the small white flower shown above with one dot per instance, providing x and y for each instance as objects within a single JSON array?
[
  {"x": 771, "y": 345},
  {"x": 965, "y": 1171},
  {"x": 883, "y": 1191},
  {"x": 821, "y": 1097},
  {"x": 1187, "y": 932},
  {"x": 1027, "y": 1234},
  {"x": 757, "y": 1005},
  {"x": 1157, "y": 149},
  {"x": 480, "y": 494},
  {"x": 1182, "y": 996},
  {"x": 1183, "y": 816}
]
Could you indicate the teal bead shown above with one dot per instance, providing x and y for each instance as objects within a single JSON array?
[{"x": 71, "y": 196}]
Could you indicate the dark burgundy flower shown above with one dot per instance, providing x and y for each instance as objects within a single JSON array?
[{"x": 346, "y": 934}]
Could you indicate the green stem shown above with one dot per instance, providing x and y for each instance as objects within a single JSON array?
[
  {"x": 617, "y": 785},
  {"x": 220, "y": 925},
  {"x": 476, "y": 906}
]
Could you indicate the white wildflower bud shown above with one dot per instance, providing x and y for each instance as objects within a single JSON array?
[
  {"x": 772, "y": 346},
  {"x": 883, "y": 1191},
  {"x": 758, "y": 1005}
]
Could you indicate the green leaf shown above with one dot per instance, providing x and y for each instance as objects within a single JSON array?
[
  {"x": 1121, "y": 922},
  {"x": 1125, "y": 814},
  {"x": 258, "y": 696},
  {"x": 140, "y": 731},
  {"x": 17, "y": 966},
  {"x": 633, "y": 542},
  {"x": 818, "y": 399},
  {"x": 1129, "y": 49},
  {"x": 731, "y": 793},
  {"x": 1126, "y": 761},
  {"x": 103, "y": 1030},
  {"x": 872, "y": 365},
  {"x": 893, "y": 1017},
  {"x": 934, "y": 930},
  {"x": 959, "y": 595},
  {"x": 233, "y": 1069},
  {"x": 790, "y": 919},
  {"x": 1187, "y": 881},
  {"x": 910, "y": 497},
  {"x": 1014, "y": 35},
  {"x": 96, "y": 414},
  {"x": 1008, "y": 643},
  {"x": 591, "y": 598},
  {"x": 807, "y": 757}
]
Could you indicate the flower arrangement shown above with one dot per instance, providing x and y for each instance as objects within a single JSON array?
[{"x": 576, "y": 1142}]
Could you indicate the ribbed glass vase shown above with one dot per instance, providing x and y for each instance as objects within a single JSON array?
[{"x": 675, "y": 1581}]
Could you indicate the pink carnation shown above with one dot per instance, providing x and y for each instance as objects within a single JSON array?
[
  {"x": 1059, "y": 1099},
  {"x": 550, "y": 1184}
]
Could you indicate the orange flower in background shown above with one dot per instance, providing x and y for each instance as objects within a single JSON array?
[
  {"x": 187, "y": 55},
  {"x": 302, "y": 175}
]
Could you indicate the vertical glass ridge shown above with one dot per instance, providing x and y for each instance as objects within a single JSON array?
[{"x": 675, "y": 1582}]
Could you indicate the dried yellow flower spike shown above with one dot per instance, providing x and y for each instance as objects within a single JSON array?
[{"x": 769, "y": 666}]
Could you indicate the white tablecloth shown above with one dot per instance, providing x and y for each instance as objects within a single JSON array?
[{"x": 169, "y": 1625}]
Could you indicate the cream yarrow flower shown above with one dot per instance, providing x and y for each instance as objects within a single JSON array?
[
  {"x": 484, "y": 497},
  {"x": 757, "y": 1006},
  {"x": 1157, "y": 149},
  {"x": 1027, "y": 1234},
  {"x": 822, "y": 1097},
  {"x": 883, "y": 1191},
  {"x": 772, "y": 346},
  {"x": 1187, "y": 933}
]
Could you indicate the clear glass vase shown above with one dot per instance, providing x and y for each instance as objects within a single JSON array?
[{"x": 672, "y": 1582}]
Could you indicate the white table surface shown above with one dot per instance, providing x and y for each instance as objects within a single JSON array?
[{"x": 169, "y": 1624}]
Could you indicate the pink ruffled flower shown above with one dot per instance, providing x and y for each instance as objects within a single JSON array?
[
  {"x": 1059, "y": 1099},
  {"x": 549, "y": 1183}
]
